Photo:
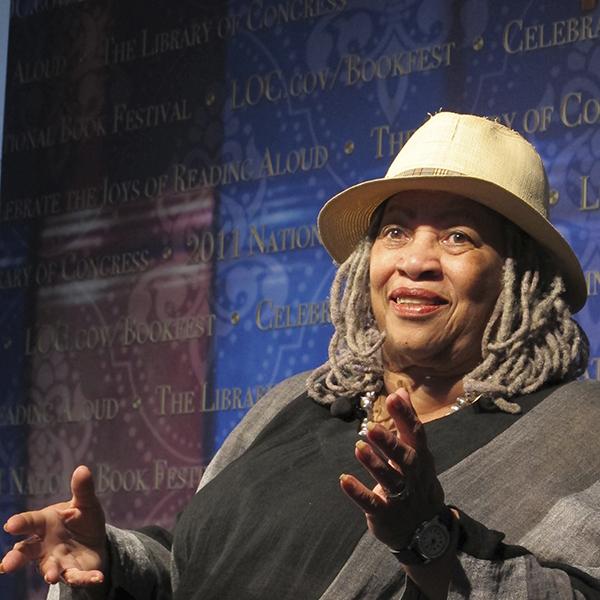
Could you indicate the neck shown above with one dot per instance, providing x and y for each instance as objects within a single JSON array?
[{"x": 430, "y": 395}]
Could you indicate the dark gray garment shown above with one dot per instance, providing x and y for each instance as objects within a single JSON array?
[{"x": 541, "y": 481}]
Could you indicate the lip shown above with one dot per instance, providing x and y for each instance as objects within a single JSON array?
[{"x": 431, "y": 302}]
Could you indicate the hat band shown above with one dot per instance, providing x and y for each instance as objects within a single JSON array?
[{"x": 428, "y": 171}]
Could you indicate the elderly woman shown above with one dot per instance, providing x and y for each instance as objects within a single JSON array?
[{"x": 452, "y": 313}]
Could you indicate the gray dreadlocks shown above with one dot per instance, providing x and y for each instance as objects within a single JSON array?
[{"x": 529, "y": 341}]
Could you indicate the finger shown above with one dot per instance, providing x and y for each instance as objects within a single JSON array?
[
  {"x": 69, "y": 514},
  {"x": 407, "y": 422},
  {"x": 27, "y": 523},
  {"x": 82, "y": 487},
  {"x": 77, "y": 577},
  {"x": 388, "y": 477},
  {"x": 22, "y": 553},
  {"x": 53, "y": 571},
  {"x": 65, "y": 567},
  {"x": 50, "y": 569},
  {"x": 390, "y": 445},
  {"x": 365, "y": 498}
]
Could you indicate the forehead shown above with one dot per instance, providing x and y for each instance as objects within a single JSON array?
[{"x": 441, "y": 207}]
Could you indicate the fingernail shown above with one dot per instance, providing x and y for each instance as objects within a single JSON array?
[
  {"x": 95, "y": 579},
  {"x": 370, "y": 425},
  {"x": 343, "y": 476},
  {"x": 4, "y": 527},
  {"x": 2, "y": 569}
]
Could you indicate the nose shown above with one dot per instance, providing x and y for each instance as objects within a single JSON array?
[{"x": 420, "y": 258}]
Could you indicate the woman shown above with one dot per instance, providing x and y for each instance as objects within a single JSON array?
[{"x": 454, "y": 290}]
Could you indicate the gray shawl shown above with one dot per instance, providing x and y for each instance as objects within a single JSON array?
[{"x": 538, "y": 482}]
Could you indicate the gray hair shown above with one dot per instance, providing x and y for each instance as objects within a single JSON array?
[{"x": 530, "y": 339}]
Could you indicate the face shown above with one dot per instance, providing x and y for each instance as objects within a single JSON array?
[{"x": 435, "y": 275}]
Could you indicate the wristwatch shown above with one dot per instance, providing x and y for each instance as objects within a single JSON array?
[{"x": 429, "y": 541}]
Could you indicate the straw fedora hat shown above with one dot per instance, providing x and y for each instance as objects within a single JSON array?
[{"x": 473, "y": 157}]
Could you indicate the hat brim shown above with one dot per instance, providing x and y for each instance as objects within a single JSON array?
[{"x": 345, "y": 219}]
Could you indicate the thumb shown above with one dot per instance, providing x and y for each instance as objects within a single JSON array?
[{"x": 82, "y": 488}]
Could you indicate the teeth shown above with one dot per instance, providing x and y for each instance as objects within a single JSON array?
[{"x": 413, "y": 301}]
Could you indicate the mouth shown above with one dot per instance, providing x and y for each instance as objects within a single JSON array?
[{"x": 415, "y": 301}]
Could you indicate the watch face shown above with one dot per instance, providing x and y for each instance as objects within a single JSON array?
[{"x": 433, "y": 540}]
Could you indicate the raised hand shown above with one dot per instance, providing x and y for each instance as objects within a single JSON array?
[
  {"x": 67, "y": 540},
  {"x": 408, "y": 491}
]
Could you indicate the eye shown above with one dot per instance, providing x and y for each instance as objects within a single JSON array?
[
  {"x": 458, "y": 238},
  {"x": 393, "y": 232}
]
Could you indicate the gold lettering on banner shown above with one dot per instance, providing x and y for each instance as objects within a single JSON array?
[
  {"x": 77, "y": 268},
  {"x": 109, "y": 479},
  {"x": 119, "y": 51},
  {"x": 389, "y": 143},
  {"x": 73, "y": 267},
  {"x": 107, "y": 194},
  {"x": 98, "y": 409},
  {"x": 576, "y": 111},
  {"x": 30, "y": 139},
  {"x": 61, "y": 410},
  {"x": 519, "y": 37},
  {"x": 270, "y": 164},
  {"x": 78, "y": 129},
  {"x": 175, "y": 477},
  {"x": 226, "y": 398},
  {"x": 40, "y": 70},
  {"x": 271, "y": 316},
  {"x": 351, "y": 69},
  {"x": 16, "y": 277},
  {"x": 72, "y": 129},
  {"x": 592, "y": 281},
  {"x": 86, "y": 198},
  {"x": 116, "y": 193},
  {"x": 180, "y": 179},
  {"x": 593, "y": 370},
  {"x": 62, "y": 337},
  {"x": 169, "y": 330},
  {"x": 173, "y": 402},
  {"x": 537, "y": 119},
  {"x": 261, "y": 15},
  {"x": 39, "y": 415},
  {"x": 255, "y": 16},
  {"x": 31, "y": 208},
  {"x": 589, "y": 199},
  {"x": 146, "y": 117},
  {"x": 20, "y": 481},
  {"x": 266, "y": 241},
  {"x": 303, "y": 159},
  {"x": 365, "y": 70},
  {"x": 160, "y": 476},
  {"x": 152, "y": 44},
  {"x": 205, "y": 246},
  {"x": 27, "y": 8}
]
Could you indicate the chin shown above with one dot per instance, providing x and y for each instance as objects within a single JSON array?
[{"x": 400, "y": 354}]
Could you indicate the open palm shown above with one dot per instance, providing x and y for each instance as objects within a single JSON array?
[{"x": 66, "y": 539}]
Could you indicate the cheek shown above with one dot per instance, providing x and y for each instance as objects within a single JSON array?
[
  {"x": 482, "y": 284},
  {"x": 378, "y": 276},
  {"x": 376, "y": 302},
  {"x": 382, "y": 265}
]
